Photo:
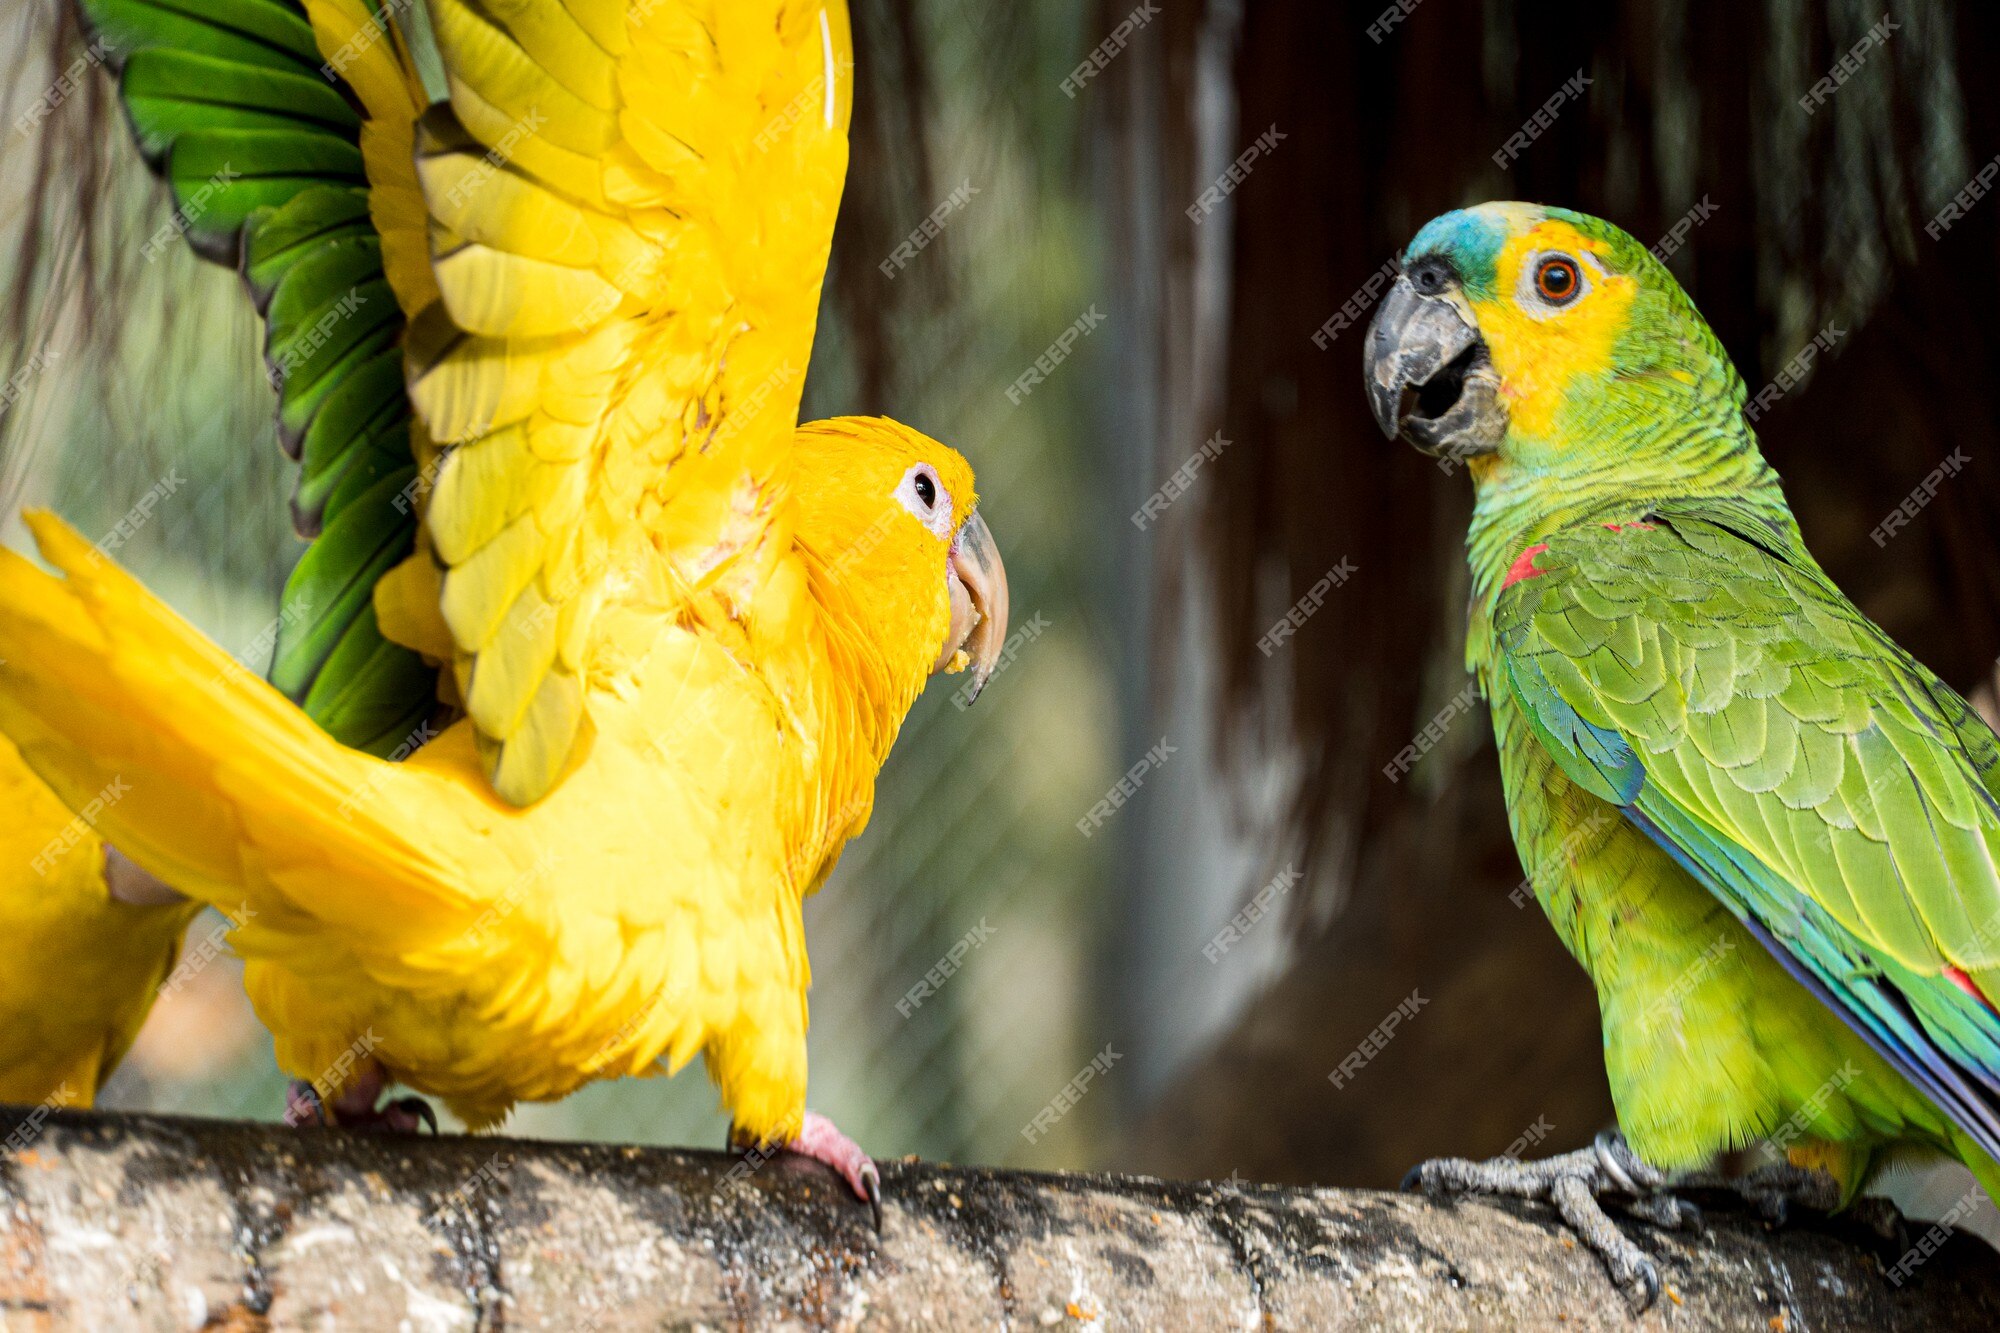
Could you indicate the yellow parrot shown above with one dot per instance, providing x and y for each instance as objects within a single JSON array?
[
  {"x": 69, "y": 903},
  {"x": 680, "y": 632}
]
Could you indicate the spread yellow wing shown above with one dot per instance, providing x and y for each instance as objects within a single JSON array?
[{"x": 629, "y": 209}]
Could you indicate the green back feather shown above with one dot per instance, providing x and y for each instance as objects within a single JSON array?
[{"x": 1795, "y": 759}]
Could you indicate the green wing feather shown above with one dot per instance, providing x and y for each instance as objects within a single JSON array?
[
  {"x": 230, "y": 102},
  {"x": 1706, "y": 677}
]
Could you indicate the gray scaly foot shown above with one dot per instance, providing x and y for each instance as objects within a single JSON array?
[{"x": 1573, "y": 1182}]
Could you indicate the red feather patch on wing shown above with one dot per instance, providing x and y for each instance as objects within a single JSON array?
[
  {"x": 1524, "y": 566},
  {"x": 1959, "y": 978}
]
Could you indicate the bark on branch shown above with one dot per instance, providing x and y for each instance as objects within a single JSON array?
[{"x": 140, "y": 1222}]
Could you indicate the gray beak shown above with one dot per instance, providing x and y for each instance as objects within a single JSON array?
[{"x": 1428, "y": 376}]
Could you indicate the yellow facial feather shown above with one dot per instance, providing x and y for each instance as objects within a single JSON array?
[{"x": 1539, "y": 353}]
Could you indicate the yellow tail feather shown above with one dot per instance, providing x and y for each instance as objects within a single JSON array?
[{"x": 203, "y": 774}]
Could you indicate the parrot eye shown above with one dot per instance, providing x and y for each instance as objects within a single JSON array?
[
  {"x": 1550, "y": 282},
  {"x": 1557, "y": 279},
  {"x": 926, "y": 498}
]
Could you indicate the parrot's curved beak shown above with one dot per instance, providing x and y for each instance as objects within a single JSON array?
[
  {"x": 978, "y": 586},
  {"x": 1429, "y": 377}
]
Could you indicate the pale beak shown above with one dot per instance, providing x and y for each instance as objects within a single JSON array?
[{"x": 977, "y": 582}]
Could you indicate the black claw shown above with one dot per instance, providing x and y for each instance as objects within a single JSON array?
[
  {"x": 873, "y": 1185},
  {"x": 1649, "y": 1280},
  {"x": 421, "y": 1109},
  {"x": 1413, "y": 1180}
]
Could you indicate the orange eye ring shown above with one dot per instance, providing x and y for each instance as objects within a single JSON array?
[{"x": 1557, "y": 280}]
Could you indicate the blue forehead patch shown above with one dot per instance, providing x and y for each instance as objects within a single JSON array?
[
  {"x": 1468, "y": 239},
  {"x": 1462, "y": 234}
]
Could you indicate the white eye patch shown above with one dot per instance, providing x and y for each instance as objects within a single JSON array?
[{"x": 924, "y": 495}]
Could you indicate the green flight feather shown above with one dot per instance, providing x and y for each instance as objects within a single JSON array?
[
  {"x": 230, "y": 101},
  {"x": 334, "y": 581}
]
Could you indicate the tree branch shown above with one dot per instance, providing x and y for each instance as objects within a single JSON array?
[{"x": 142, "y": 1222}]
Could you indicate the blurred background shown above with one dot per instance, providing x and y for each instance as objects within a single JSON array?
[{"x": 1201, "y": 461}]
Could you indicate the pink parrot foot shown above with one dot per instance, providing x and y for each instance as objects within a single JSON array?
[
  {"x": 1573, "y": 1182},
  {"x": 360, "y": 1107},
  {"x": 821, "y": 1140}
]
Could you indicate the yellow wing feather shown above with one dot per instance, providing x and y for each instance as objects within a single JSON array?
[
  {"x": 371, "y": 55},
  {"x": 629, "y": 211}
]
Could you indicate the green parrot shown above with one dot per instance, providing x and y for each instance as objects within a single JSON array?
[{"x": 1769, "y": 834}]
